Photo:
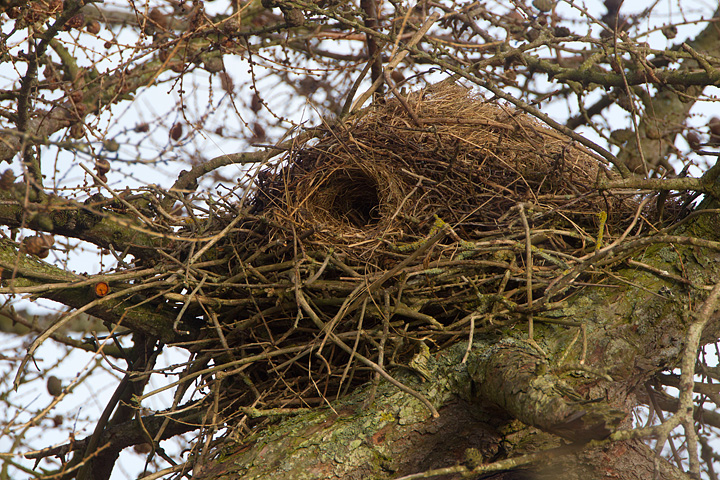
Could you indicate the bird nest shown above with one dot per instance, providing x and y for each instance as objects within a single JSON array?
[
  {"x": 389, "y": 175},
  {"x": 412, "y": 224}
]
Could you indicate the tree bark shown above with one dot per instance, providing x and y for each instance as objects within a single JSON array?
[{"x": 396, "y": 436}]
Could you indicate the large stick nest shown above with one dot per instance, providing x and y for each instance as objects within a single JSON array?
[{"x": 410, "y": 224}]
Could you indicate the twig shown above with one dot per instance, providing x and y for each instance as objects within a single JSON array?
[
  {"x": 659, "y": 272},
  {"x": 188, "y": 178},
  {"x": 355, "y": 346},
  {"x": 253, "y": 412},
  {"x": 658, "y": 411},
  {"x": 221, "y": 369},
  {"x": 64, "y": 320},
  {"x": 371, "y": 22},
  {"x": 385, "y": 315},
  {"x": 356, "y": 84},
  {"x": 687, "y": 365},
  {"x": 302, "y": 301},
  {"x": 657, "y": 184},
  {"x": 354, "y": 299},
  {"x": 397, "y": 59},
  {"x": 528, "y": 268},
  {"x": 215, "y": 238},
  {"x": 129, "y": 205},
  {"x": 559, "y": 284},
  {"x": 470, "y": 339},
  {"x": 506, "y": 464},
  {"x": 403, "y": 101},
  {"x": 185, "y": 306}
]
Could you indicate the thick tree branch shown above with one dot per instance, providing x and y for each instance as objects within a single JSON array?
[
  {"x": 134, "y": 432},
  {"x": 516, "y": 377},
  {"x": 91, "y": 221},
  {"x": 20, "y": 270}
]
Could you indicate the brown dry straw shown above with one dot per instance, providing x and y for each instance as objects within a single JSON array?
[{"x": 380, "y": 179}]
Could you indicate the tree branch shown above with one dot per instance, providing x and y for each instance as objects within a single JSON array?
[{"x": 21, "y": 270}]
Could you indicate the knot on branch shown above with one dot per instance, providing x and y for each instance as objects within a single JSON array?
[{"x": 515, "y": 377}]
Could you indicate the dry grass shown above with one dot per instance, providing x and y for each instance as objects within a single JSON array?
[{"x": 381, "y": 179}]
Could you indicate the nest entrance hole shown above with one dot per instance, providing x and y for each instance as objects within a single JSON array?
[{"x": 353, "y": 198}]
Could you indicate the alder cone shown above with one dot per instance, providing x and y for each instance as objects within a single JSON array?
[
  {"x": 176, "y": 131},
  {"x": 714, "y": 126}
]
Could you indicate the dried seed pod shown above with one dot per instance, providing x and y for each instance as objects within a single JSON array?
[
  {"x": 226, "y": 82},
  {"x": 622, "y": 135},
  {"x": 213, "y": 63},
  {"x": 37, "y": 245},
  {"x": 544, "y": 5},
  {"x": 397, "y": 76},
  {"x": 54, "y": 386},
  {"x": 231, "y": 25},
  {"x": 515, "y": 17},
  {"x": 613, "y": 5},
  {"x": 143, "y": 448},
  {"x": 158, "y": 19},
  {"x": 93, "y": 27},
  {"x": 714, "y": 125},
  {"x": 693, "y": 140},
  {"x": 111, "y": 145},
  {"x": 294, "y": 17},
  {"x": 308, "y": 85},
  {"x": 192, "y": 186},
  {"x": 51, "y": 76},
  {"x": 78, "y": 21},
  {"x": 258, "y": 133},
  {"x": 176, "y": 131},
  {"x": 77, "y": 131},
  {"x": 7, "y": 179},
  {"x": 255, "y": 103},
  {"x": 670, "y": 31},
  {"x": 101, "y": 177},
  {"x": 102, "y": 166},
  {"x": 142, "y": 127},
  {"x": 624, "y": 102},
  {"x": 163, "y": 54},
  {"x": 532, "y": 34}
]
